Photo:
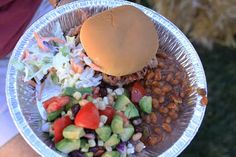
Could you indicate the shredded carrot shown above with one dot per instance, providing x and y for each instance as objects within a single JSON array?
[
  {"x": 25, "y": 54},
  {"x": 55, "y": 39},
  {"x": 75, "y": 67},
  {"x": 39, "y": 41}
]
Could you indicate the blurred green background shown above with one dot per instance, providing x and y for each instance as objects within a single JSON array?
[{"x": 217, "y": 134}]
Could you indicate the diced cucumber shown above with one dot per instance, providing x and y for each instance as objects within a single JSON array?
[
  {"x": 127, "y": 134},
  {"x": 67, "y": 146},
  {"x": 77, "y": 95},
  {"x": 55, "y": 78},
  {"x": 111, "y": 154},
  {"x": 121, "y": 103},
  {"x": 84, "y": 145},
  {"x": 90, "y": 98},
  {"x": 112, "y": 141},
  {"x": 83, "y": 142},
  {"x": 51, "y": 132},
  {"x": 73, "y": 132},
  {"x": 145, "y": 104},
  {"x": 104, "y": 133},
  {"x": 126, "y": 93},
  {"x": 53, "y": 115},
  {"x": 71, "y": 103},
  {"x": 85, "y": 148},
  {"x": 117, "y": 124},
  {"x": 88, "y": 154},
  {"x": 69, "y": 91},
  {"x": 131, "y": 111}
]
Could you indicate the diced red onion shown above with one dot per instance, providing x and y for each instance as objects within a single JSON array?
[
  {"x": 121, "y": 147},
  {"x": 89, "y": 136}
]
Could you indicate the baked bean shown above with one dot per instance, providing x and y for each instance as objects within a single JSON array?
[
  {"x": 176, "y": 99},
  {"x": 155, "y": 83},
  {"x": 153, "y": 118},
  {"x": 173, "y": 115},
  {"x": 178, "y": 75},
  {"x": 169, "y": 77},
  {"x": 201, "y": 91},
  {"x": 154, "y": 139},
  {"x": 150, "y": 75},
  {"x": 161, "y": 65},
  {"x": 155, "y": 103},
  {"x": 204, "y": 100},
  {"x": 158, "y": 75},
  {"x": 157, "y": 130},
  {"x": 166, "y": 88},
  {"x": 189, "y": 90},
  {"x": 163, "y": 110},
  {"x": 172, "y": 106},
  {"x": 168, "y": 120},
  {"x": 157, "y": 90},
  {"x": 175, "y": 81},
  {"x": 161, "y": 99},
  {"x": 168, "y": 85},
  {"x": 167, "y": 127}
]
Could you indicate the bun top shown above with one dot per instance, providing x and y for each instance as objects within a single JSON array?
[{"x": 121, "y": 40}]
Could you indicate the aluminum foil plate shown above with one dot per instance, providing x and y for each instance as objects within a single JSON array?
[{"x": 22, "y": 100}]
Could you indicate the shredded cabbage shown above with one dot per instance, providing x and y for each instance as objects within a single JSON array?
[{"x": 59, "y": 57}]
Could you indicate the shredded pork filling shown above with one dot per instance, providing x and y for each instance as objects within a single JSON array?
[{"x": 124, "y": 80}]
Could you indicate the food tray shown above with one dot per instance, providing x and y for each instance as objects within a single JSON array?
[{"x": 21, "y": 97}]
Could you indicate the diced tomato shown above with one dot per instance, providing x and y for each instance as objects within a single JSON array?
[
  {"x": 49, "y": 101},
  {"x": 58, "y": 127},
  {"x": 109, "y": 112},
  {"x": 88, "y": 117},
  {"x": 55, "y": 103},
  {"x": 137, "y": 92}
]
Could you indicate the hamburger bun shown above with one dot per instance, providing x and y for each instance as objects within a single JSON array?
[{"x": 121, "y": 40}]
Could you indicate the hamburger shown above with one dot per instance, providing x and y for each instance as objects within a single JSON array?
[{"x": 122, "y": 41}]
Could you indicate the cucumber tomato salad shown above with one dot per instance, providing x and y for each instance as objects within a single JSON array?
[{"x": 88, "y": 117}]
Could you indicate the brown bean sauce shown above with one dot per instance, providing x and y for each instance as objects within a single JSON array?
[{"x": 168, "y": 84}]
